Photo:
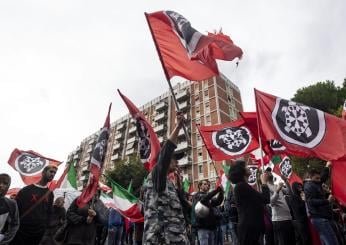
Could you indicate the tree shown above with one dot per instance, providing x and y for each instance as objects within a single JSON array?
[
  {"x": 324, "y": 96},
  {"x": 127, "y": 170}
]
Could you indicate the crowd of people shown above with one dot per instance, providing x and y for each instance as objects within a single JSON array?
[{"x": 273, "y": 213}]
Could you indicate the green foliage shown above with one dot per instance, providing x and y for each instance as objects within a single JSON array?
[
  {"x": 125, "y": 171},
  {"x": 302, "y": 165},
  {"x": 326, "y": 97}
]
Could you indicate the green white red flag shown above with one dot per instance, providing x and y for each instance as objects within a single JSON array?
[{"x": 126, "y": 203}]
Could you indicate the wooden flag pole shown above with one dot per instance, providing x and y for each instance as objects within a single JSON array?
[{"x": 167, "y": 78}]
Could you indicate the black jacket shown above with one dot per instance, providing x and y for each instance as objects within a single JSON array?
[
  {"x": 9, "y": 208},
  {"x": 212, "y": 220},
  {"x": 318, "y": 205}
]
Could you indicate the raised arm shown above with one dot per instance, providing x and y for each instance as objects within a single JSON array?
[{"x": 161, "y": 168}]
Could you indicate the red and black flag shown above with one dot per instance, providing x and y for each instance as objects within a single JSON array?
[
  {"x": 148, "y": 145},
  {"x": 270, "y": 147},
  {"x": 283, "y": 167},
  {"x": 303, "y": 130},
  {"x": 338, "y": 181},
  {"x": 96, "y": 163},
  {"x": 186, "y": 52},
  {"x": 228, "y": 140},
  {"x": 30, "y": 164}
]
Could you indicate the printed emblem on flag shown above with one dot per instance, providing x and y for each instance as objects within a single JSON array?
[
  {"x": 276, "y": 145},
  {"x": 29, "y": 165},
  {"x": 232, "y": 140},
  {"x": 188, "y": 36},
  {"x": 100, "y": 148},
  {"x": 286, "y": 167},
  {"x": 144, "y": 140},
  {"x": 253, "y": 176},
  {"x": 298, "y": 124}
]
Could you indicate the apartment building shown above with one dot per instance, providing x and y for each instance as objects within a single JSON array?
[{"x": 209, "y": 102}]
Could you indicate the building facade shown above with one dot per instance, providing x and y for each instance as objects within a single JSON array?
[{"x": 209, "y": 102}]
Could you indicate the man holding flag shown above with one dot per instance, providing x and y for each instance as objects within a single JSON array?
[
  {"x": 35, "y": 203},
  {"x": 163, "y": 215}
]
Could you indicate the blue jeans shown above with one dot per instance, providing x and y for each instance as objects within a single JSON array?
[
  {"x": 325, "y": 231},
  {"x": 206, "y": 237},
  {"x": 114, "y": 235}
]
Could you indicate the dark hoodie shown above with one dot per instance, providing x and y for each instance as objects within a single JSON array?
[
  {"x": 297, "y": 204},
  {"x": 318, "y": 205}
]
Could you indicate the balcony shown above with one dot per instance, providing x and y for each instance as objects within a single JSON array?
[
  {"x": 132, "y": 130},
  {"x": 116, "y": 146},
  {"x": 160, "y": 117},
  {"x": 184, "y": 161},
  {"x": 120, "y": 126},
  {"x": 118, "y": 136},
  {"x": 159, "y": 128},
  {"x": 182, "y": 146},
  {"x": 130, "y": 146},
  {"x": 85, "y": 168},
  {"x": 87, "y": 158},
  {"x": 131, "y": 140},
  {"x": 129, "y": 152},
  {"x": 90, "y": 149},
  {"x": 182, "y": 95},
  {"x": 76, "y": 157},
  {"x": 183, "y": 106},
  {"x": 115, "y": 157},
  {"x": 92, "y": 141},
  {"x": 160, "y": 106}
]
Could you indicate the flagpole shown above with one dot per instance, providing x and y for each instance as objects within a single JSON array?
[
  {"x": 259, "y": 133},
  {"x": 167, "y": 77},
  {"x": 207, "y": 149}
]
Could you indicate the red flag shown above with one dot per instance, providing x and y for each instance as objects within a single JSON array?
[
  {"x": 149, "y": 145},
  {"x": 303, "y": 130},
  {"x": 96, "y": 163},
  {"x": 228, "y": 141},
  {"x": 284, "y": 168},
  {"x": 270, "y": 147},
  {"x": 339, "y": 181},
  {"x": 29, "y": 165},
  {"x": 186, "y": 52}
]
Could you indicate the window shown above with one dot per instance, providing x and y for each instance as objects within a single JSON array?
[
  {"x": 199, "y": 155},
  {"x": 200, "y": 171},
  {"x": 198, "y": 111},
  {"x": 198, "y": 121},
  {"x": 199, "y": 140},
  {"x": 206, "y": 93},
  {"x": 207, "y": 120}
]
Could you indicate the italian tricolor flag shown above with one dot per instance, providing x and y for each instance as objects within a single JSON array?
[
  {"x": 126, "y": 204},
  {"x": 70, "y": 181},
  {"x": 223, "y": 180}
]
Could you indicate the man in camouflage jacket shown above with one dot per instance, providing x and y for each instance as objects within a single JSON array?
[{"x": 163, "y": 215}]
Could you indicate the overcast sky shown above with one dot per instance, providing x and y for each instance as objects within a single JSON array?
[{"x": 62, "y": 61}]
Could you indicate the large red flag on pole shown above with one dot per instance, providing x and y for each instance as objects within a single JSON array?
[
  {"x": 338, "y": 181},
  {"x": 96, "y": 163},
  {"x": 29, "y": 164},
  {"x": 184, "y": 51},
  {"x": 303, "y": 130},
  {"x": 228, "y": 140},
  {"x": 149, "y": 145}
]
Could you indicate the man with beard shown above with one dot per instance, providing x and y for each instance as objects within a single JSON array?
[
  {"x": 9, "y": 220},
  {"x": 35, "y": 204}
]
